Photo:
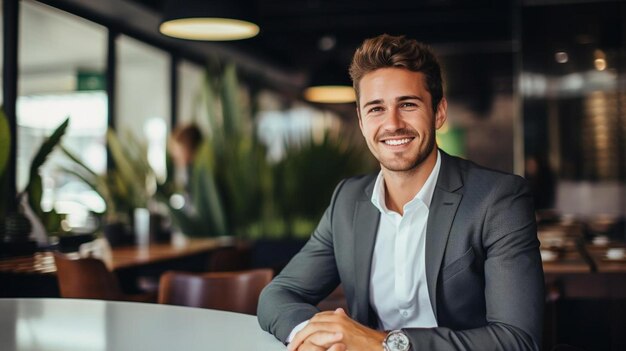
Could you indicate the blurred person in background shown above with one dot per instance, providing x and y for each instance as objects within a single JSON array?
[{"x": 184, "y": 144}]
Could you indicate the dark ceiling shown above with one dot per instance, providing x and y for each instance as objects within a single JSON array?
[
  {"x": 292, "y": 31},
  {"x": 478, "y": 41},
  {"x": 579, "y": 29}
]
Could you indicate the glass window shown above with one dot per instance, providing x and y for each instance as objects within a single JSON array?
[
  {"x": 279, "y": 127},
  {"x": 61, "y": 74},
  {"x": 143, "y": 97}
]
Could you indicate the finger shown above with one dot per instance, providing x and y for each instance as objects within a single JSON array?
[
  {"x": 311, "y": 328},
  {"x": 310, "y": 347},
  {"x": 323, "y": 313},
  {"x": 324, "y": 339},
  {"x": 332, "y": 317},
  {"x": 340, "y": 311},
  {"x": 338, "y": 347}
]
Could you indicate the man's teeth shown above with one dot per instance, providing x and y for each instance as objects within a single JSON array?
[{"x": 397, "y": 141}]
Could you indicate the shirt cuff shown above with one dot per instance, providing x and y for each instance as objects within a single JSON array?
[{"x": 296, "y": 329}]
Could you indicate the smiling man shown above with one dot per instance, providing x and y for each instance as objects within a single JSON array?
[{"x": 433, "y": 252}]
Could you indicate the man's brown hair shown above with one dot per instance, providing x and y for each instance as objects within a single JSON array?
[
  {"x": 188, "y": 136},
  {"x": 386, "y": 51}
]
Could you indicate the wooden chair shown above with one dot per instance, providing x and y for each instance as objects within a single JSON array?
[
  {"x": 227, "y": 291},
  {"x": 336, "y": 299},
  {"x": 229, "y": 259},
  {"x": 89, "y": 278}
]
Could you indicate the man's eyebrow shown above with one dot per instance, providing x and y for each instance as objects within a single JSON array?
[
  {"x": 373, "y": 102},
  {"x": 409, "y": 97}
]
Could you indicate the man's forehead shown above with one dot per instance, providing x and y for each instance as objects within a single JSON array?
[{"x": 391, "y": 84}]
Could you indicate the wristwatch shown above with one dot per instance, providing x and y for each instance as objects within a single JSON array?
[{"x": 396, "y": 340}]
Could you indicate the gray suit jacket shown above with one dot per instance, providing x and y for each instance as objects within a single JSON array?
[{"x": 483, "y": 267}]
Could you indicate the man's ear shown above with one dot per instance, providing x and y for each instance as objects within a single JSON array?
[{"x": 442, "y": 113}]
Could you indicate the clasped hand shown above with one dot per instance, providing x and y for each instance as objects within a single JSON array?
[{"x": 336, "y": 331}]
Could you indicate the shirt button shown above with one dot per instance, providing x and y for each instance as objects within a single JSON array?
[{"x": 405, "y": 313}]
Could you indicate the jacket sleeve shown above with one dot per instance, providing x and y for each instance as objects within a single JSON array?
[
  {"x": 308, "y": 278},
  {"x": 514, "y": 284}
]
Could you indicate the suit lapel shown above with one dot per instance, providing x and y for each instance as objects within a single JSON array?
[
  {"x": 441, "y": 215},
  {"x": 365, "y": 221}
]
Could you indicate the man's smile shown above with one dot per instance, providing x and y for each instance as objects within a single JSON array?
[{"x": 398, "y": 142}]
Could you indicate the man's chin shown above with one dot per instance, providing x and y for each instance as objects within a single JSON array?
[
  {"x": 399, "y": 167},
  {"x": 404, "y": 165}
]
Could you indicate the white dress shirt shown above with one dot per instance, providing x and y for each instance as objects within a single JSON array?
[{"x": 398, "y": 289}]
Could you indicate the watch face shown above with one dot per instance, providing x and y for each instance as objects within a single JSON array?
[{"x": 398, "y": 342}]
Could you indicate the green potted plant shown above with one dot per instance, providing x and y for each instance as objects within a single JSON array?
[
  {"x": 123, "y": 188},
  {"x": 311, "y": 170},
  {"x": 16, "y": 227},
  {"x": 303, "y": 182}
]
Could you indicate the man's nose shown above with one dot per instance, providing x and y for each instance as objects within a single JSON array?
[{"x": 394, "y": 120}]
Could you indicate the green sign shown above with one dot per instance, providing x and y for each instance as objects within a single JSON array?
[{"x": 90, "y": 80}]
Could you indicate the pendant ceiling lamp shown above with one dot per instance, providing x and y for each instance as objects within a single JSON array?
[
  {"x": 207, "y": 20},
  {"x": 330, "y": 84}
]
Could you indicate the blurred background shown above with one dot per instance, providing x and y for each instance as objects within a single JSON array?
[{"x": 224, "y": 138}]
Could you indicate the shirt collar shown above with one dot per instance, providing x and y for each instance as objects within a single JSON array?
[{"x": 425, "y": 194}]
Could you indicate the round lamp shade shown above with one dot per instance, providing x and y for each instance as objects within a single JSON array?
[
  {"x": 207, "y": 20},
  {"x": 330, "y": 84},
  {"x": 330, "y": 94}
]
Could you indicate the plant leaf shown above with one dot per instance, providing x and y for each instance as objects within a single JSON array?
[
  {"x": 35, "y": 193},
  {"x": 78, "y": 161},
  {"x": 231, "y": 114},
  {"x": 129, "y": 180},
  {"x": 34, "y": 188},
  {"x": 46, "y": 148},
  {"x": 207, "y": 201},
  {"x": 5, "y": 141}
]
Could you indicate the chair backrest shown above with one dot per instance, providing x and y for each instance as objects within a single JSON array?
[
  {"x": 229, "y": 259},
  {"x": 86, "y": 278},
  {"x": 227, "y": 291}
]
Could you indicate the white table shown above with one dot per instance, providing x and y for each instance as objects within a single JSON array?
[{"x": 86, "y": 325}]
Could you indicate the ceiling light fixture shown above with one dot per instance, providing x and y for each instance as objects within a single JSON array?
[
  {"x": 561, "y": 57},
  {"x": 330, "y": 94},
  {"x": 330, "y": 85},
  {"x": 207, "y": 20},
  {"x": 327, "y": 43}
]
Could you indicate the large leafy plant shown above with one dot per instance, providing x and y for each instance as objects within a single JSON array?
[
  {"x": 306, "y": 177},
  {"x": 230, "y": 172},
  {"x": 127, "y": 186},
  {"x": 33, "y": 191}
]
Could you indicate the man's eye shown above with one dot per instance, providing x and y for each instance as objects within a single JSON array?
[
  {"x": 407, "y": 104},
  {"x": 375, "y": 109}
]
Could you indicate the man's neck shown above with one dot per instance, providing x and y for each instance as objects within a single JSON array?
[{"x": 401, "y": 187}]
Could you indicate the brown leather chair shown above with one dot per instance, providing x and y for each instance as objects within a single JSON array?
[
  {"x": 89, "y": 278},
  {"x": 229, "y": 259},
  {"x": 336, "y": 299},
  {"x": 227, "y": 291}
]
